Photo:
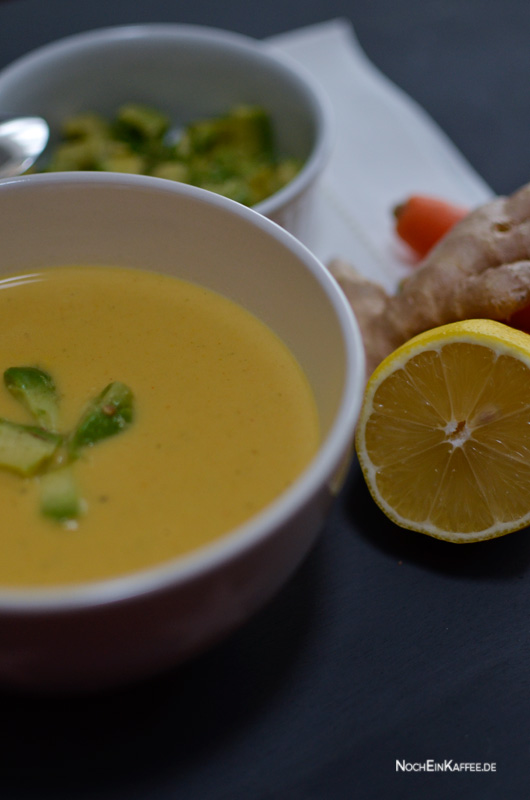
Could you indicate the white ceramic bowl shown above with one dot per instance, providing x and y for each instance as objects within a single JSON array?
[
  {"x": 188, "y": 72},
  {"x": 111, "y": 631}
]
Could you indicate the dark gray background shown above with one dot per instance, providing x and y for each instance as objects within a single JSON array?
[{"x": 386, "y": 645}]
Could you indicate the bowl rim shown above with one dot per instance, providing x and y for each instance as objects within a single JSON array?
[
  {"x": 319, "y": 472},
  {"x": 267, "y": 53}
]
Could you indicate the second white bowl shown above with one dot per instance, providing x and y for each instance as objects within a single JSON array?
[{"x": 188, "y": 72}]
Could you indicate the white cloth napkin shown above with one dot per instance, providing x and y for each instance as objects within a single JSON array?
[{"x": 386, "y": 148}]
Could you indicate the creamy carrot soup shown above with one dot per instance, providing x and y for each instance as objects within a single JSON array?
[{"x": 224, "y": 419}]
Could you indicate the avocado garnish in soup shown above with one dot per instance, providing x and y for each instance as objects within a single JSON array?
[{"x": 29, "y": 450}]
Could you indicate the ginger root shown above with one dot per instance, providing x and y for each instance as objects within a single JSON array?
[{"x": 481, "y": 268}]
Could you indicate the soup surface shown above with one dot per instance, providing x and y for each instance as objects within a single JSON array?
[{"x": 224, "y": 419}]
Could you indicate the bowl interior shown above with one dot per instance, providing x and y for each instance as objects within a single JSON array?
[{"x": 185, "y": 71}]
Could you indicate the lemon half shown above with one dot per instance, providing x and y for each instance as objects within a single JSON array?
[{"x": 443, "y": 437}]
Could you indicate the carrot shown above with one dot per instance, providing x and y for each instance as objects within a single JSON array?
[{"x": 421, "y": 221}]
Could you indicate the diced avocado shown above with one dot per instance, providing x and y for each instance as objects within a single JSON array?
[
  {"x": 250, "y": 130},
  {"x": 131, "y": 163},
  {"x": 233, "y": 154},
  {"x": 84, "y": 126},
  {"x": 233, "y": 188},
  {"x": 246, "y": 130},
  {"x": 36, "y": 390},
  {"x": 269, "y": 178},
  {"x": 286, "y": 170},
  {"x": 109, "y": 413},
  {"x": 172, "y": 170},
  {"x": 25, "y": 448},
  {"x": 72, "y": 155},
  {"x": 147, "y": 122},
  {"x": 59, "y": 495}
]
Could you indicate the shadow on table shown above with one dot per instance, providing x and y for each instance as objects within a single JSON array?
[
  {"x": 110, "y": 744},
  {"x": 503, "y": 558}
]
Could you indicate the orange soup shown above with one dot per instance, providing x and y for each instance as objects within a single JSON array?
[{"x": 224, "y": 419}]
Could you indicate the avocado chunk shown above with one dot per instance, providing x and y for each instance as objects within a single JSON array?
[
  {"x": 24, "y": 449},
  {"x": 146, "y": 122},
  {"x": 36, "y": 390},
  {"x": 108, "y": 414},
  {"x": 59, "y": 496}
]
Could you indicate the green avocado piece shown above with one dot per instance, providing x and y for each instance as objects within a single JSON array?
[
  {"x": 111, "y": 412},
  {"x": 36, "y": 390},
  {"x": 24, "y": 449},
  {"x": 59, "y": 496}
]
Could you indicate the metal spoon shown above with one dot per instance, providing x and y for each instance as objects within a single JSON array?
[{"x": 22, "y": 140}]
